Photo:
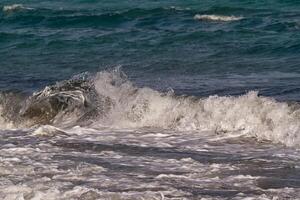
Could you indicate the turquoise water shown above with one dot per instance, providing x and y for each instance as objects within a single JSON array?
[
  {"x": 158, "y": 44},
  {"x": 149, "y": 99}
]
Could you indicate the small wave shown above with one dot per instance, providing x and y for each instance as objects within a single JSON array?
[
  {"x": 179, "y": 8},
  {"x": 15, "y": 7},
  {"x": 217, "y": 18}
]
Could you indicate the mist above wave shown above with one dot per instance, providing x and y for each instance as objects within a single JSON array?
[{"x": 109, "y": 99}]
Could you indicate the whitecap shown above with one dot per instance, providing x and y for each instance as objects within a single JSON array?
[
  {"x": 249, "y": 114},
  {"x": 15, "y": 7},
  {"x": 179, "y": 8},
  {"x": 109, "y": 99},
  {"x": 217, "y": 18},
  {"x": 48, "y": 131}
]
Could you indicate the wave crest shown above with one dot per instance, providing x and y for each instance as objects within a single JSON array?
[
  {"x": 15, "y": 7},
  {"x": 109, "y": 99},
  {"x": 250, "y": 114},
  {"x": 217, "y": 18}
]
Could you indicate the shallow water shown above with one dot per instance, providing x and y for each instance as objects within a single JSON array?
[
  {"x": 149, "y": 99},
  {"x": 124, "y": 164}
]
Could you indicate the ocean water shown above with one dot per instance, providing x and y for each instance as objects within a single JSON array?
[{"x": 149, "y": 99}]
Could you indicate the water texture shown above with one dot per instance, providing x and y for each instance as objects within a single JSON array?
[{"x": 149, "y": 99}]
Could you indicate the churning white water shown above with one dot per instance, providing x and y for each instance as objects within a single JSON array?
[{"x": 101, "y": 137}]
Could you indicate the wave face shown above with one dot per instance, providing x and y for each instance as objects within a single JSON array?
[{"x": 109, "y": 99}]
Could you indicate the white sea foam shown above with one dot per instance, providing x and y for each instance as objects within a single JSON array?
[
  {"x": 250, "y": 114},
  {"x": 179, "y": 8},
  {"x": 5, "y": 124},
  {"x": 85, "y": 166},
  {"x": 48, "y": 131},
  {"x": 119, "y": 104},
  {"x": 15, "y": 7},
  {"x": 217, "y": 18}
]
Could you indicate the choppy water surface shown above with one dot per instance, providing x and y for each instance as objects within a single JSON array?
[
  {"x": 202, "y": 48},
  {"x": 108, "y": 139},
  {"x": 86, "y": 164},
  {"x": 149, "y": 99}
]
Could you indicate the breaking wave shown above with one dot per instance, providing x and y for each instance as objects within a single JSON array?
[
  {"x": 109, "y": 99},
  {"x": 15, "y": 7},
  {"x": 217, "y": 18}
]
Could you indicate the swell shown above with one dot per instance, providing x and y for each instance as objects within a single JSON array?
[
  {"x": 85, "y": 18},
  {"x": 108, "y": 99},
  {"x": 265, "y": 20}
]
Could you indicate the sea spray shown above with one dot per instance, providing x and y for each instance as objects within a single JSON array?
[{"x": 109, "y": 99}]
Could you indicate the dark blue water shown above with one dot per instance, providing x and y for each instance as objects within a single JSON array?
[{"x": 158, "y": 44}]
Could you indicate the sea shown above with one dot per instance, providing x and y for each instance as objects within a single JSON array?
[{"x": 149, "y": 99}]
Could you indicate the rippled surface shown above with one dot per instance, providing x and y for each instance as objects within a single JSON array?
[{"x": 42, "y": 42}]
